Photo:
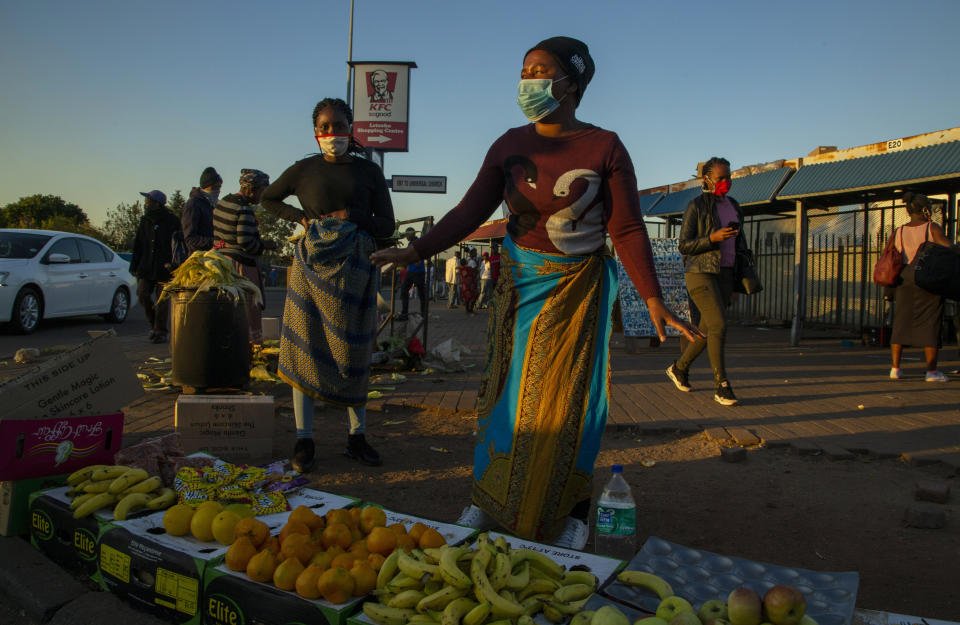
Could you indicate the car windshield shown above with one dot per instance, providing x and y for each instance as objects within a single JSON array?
[{"x": 21, "y": 244}]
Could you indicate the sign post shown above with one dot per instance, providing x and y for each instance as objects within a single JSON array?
[{"x": 381, "y": 103}]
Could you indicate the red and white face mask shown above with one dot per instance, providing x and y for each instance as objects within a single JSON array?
[{"x": 336, "y": 145}]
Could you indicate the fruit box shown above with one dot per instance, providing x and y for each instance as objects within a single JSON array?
[
  {"x": 875, "y": 617},
  {"x": 453, "y": 534},
  {"x": 230, "y": 597},
  {"x": 64, "y": 414},
  {"x": 699, "y": 576},
  {"x": 15, "y": 502},
  {"x": 602, "y": 566},
  {"x": 155, "y": 571},
  {"x": 236, "y": 428},
  {"x": 68, "y": 541}
]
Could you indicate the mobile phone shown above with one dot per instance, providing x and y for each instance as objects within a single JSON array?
[{"x": 734, "y": 224}]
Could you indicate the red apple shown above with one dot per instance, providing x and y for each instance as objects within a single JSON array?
[
  {"x": 784, "y": 605},
  {"x": 744, "y": 607}
]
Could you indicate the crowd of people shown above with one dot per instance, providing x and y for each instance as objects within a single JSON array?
[{"x": 543, "y": 399}]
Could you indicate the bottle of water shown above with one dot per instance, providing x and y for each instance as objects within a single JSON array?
[{"x": 616, "y": 527}]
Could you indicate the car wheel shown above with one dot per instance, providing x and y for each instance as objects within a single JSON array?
[
  {"x": 119, "y": 306},
  {"x": 27, "y": 310}
]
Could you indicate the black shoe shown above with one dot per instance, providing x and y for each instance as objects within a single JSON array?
[
  {"x": 303, "y": 459},
  {"x": 679, "y": 377},
  {"x": 153, "y": 335},
  {"x": 359, "y": 449},
  {"x": 401, "y": 317},
  {"x": 159, "y": 337},
  {"x": 724, "y": 394}
]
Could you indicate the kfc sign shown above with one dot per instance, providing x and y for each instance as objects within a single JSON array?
[{"x": 381, "y": 97}]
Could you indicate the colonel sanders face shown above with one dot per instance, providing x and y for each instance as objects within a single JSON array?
[{"x": 380, "y": 82}]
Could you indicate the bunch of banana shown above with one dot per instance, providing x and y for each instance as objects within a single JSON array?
[
  {"x": 100, "y": 486},
  {"x": 487, "y": 584},
  {"x": 605, "y": 615}
]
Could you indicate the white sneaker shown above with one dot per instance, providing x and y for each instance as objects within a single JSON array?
[
  {"x": 574, "y": 535},
  {"x": 895, "y": 373},
  {"x": 936, "y": 376},
  {"x": 474, "y": 517}
]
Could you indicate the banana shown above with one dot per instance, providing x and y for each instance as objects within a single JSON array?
[
  {"x": 573, "y": 592},
  {"x": 108, "y": 473},
  {"x": 525, "y": 620},
  {"x": 534, "y": 604},
  {"x": 421, "y": 619},
  {"x": 537, "y": 560},
  {"x": 387, "y": 570},
  {"x": 569, "y": 609},
  {"x": 440, "y": 599},
  {"x": 609, "y": 615},
  {"x": 537, "y": 586},
  {"x": 383, "y": 615},
  {"x": 82, "y": 475},
  {"x": 477, "y": 615},
  {"x": 88, "y": 507},
  {"x": 456, "y": 610},
  {"x": 402, "y": 581},
  {"x": 499, "y": 606},
  {"x": 582, "y": 617},
  {"x": 406, "y": 599},
  {"x": 97, "y": 487},
  {"x": 553, "y": 615},
  {"x": 432, "y": 586},
  {"x": 520, "y": 579},
  {"x": 501, "y": 544},
  {"x": 646, "y": 580},
  {"x": 501, "y": 570},
  {"x": 128, "y": 479},
  {"x": 162, "y": 500},
  {"x": 449, "y": 570},
  {"x": 146, "y": 486},
  {"x": 78, "y": 489},
  {"x": 129, "y": 504},
  {"x": 579, "y": 577},
  {"x": 503, "y": 621},
  {"x": 78, "y": 500},
  {"x": 416, "y": 569}
]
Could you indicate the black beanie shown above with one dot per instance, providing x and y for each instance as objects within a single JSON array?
[
  {"x": 573, "y": 56},
  {"x": 210, "y": 178}
]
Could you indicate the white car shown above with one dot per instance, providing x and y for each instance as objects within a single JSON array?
[{"x": 46, "y": 274}]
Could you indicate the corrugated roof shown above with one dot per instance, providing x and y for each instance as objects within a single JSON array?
[
  {"x": 870, "y": 172},
  {"x": 647, "y": 202},
  {"x": 759, "y": 188},
  {"x": 674, "y": 203},
  {"x": 496, "y": 229}
]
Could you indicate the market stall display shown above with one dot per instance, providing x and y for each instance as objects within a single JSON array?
[{"x": 633, "y": 310}]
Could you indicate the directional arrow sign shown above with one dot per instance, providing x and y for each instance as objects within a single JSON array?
[
  {"x": 377, "y": 139},
  {"x": 419, "y": 184}
]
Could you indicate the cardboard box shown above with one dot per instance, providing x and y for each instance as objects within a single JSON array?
[
  {"x": 271, "y": 328},
  {"x": 453, "y": 534},
  {"x": 877, "y": 617},
  {"x": 67, "y": 541},
  {"x": 15, "y": 502},
  {"x": 236, "y": 428},
  {"x": 65, "y": 413},
  {"x": 601, "y": 566},
  {"x": 230, "y": 597}
]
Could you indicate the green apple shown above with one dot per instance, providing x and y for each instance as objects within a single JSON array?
[
  {"x": 717, "y": 621},
  {"x": 685, "y": 618},
  {"x": 806, "y": 620},
  {"x": 651, "y": 620},
  {"x": 744, "y": 607},
  {"x": 784, "y": 605},
  {"x": 673, "y": 605},
  {"x": 712, "y": 609}
]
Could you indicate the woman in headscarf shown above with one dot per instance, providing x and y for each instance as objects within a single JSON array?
[
  {"x": 236, "y": 235},
  {"x": 543, "y": 399},
  {"x": 329, "y": 319}
]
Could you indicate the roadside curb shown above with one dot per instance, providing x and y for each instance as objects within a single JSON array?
[
  {"x": 102, "y": 608},
  {"x": 33, "y": 581}
]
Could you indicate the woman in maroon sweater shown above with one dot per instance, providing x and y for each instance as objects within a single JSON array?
[{"x": 543, "y": 399}]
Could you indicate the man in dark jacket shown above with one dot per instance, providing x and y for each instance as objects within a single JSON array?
[
  {"x": 152, "y": 255},
  {"x": 197, "y": 217}
]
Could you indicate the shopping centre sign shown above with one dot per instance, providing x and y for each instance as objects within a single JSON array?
[{"x": 381, "y": 104}]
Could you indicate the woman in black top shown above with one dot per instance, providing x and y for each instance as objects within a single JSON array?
[{"x": 329, "y": 319}]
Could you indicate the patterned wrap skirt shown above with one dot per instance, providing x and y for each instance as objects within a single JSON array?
[
  {"x": 544, "y": 394},
  {"x": 329, "y": 318}
]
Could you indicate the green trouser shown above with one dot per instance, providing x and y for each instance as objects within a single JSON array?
[{"x": 710, "y": 293}]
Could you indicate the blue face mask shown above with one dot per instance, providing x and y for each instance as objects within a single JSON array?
[{"x": 535, "y": 97}]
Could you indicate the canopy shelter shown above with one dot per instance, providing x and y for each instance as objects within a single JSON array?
[
  {"x": 756, "y": 193},
  {"x": 496, "y": 229}
]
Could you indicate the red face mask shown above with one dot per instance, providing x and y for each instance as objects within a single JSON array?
[{"x": 722, "y": 187}]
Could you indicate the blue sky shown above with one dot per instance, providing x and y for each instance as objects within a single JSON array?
[{"x": 102, "y": 99}]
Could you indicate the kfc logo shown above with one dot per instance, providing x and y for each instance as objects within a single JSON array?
[{"x": 381, "y": 85}]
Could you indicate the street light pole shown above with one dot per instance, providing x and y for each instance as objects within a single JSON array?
[{"x": 350, "y": 58}]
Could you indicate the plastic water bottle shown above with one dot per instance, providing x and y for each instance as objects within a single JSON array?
[{"x": 616, "y": 527}]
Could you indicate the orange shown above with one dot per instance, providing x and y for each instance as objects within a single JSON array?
[
  {"x": 298, "y": 546},
  {"x": 239, "y": 554},
  {"x": 335, "y": 550},
  {"x": 344, "y": 560},
  {"x": 417, "y": 530},
  {"x": 355, "y": 516},
  {"x": 307, "y": 582},
  {"x": 254, "y": 529},
  {"x": 336, "y": 585},
  {"x": 293, "y": 527},
  {"x": 381, "y": 540},
  {"x": 308, "y": 517},
  {"x": 376, "y": 560},
  {"x": 406, "y": 543},
  {"x": 397, "y": 528},
  {"x": 359, "y": 548},
  {"x": 364, "y": 578},
  {"x": 431, "y": 538},
  {"x": 372, "y": 517},
  {"x": 322, "y": 559},
  {"x": 285, "y": 576},
  {"x": 340, "y": 515},
  {"x": 272, "y": 544},
  {"x": 355, "y": 533},
  {"x": 261, "y": 567},
  {"x": 336, "y": 534}
]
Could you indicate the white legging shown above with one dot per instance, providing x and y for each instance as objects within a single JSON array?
[{"x": 303, "y": 408}]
